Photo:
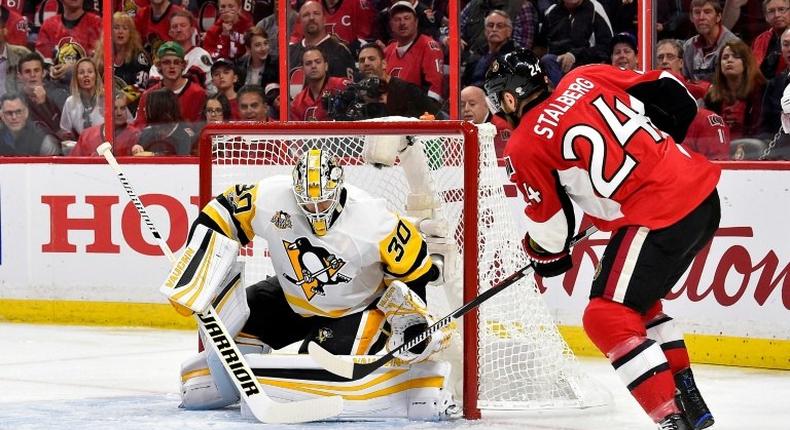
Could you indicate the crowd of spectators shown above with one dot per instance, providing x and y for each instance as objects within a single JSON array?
[{"x": 178, "y": 65}]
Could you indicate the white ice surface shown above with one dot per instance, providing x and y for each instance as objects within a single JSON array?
[{"x": 88, "y": 378}]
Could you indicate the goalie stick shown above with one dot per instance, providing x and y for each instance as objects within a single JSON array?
[
  {"x": 262, "y": 407},
  {"x": 353, "y": 371}
]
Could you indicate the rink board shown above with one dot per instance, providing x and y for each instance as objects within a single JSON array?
[{"x": 73, "y": 250}]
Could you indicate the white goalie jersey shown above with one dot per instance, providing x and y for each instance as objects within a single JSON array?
[{"x": 339, "y": 273}]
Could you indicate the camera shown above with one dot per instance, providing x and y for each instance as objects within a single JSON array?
[{"x": 358, "y": 101}]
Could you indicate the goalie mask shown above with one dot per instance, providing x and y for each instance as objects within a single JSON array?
[
  {"x": 317, "y": 186},
  {"x": 518, "y": 73}
]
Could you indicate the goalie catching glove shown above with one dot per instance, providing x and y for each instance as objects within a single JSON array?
[
  {"x": 408, "y": 316},
  {"x": 547, "y": 264},
  {"x": 199, "y": 273}
]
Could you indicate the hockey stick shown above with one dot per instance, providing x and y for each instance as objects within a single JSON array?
[
  {"x": 353, "y": 371},
  {"x": 262, "y": 407}
]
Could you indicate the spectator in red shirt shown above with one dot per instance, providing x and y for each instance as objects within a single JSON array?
[
  {"x": 191, "y": 95},
  {"x": 737, "y": 90},
  {"x": 709, "y": 135},
  {"x": 153, "y": 23},
  {"x": 125, "y": 136},
  {"x": 16, "y": 27},
  {"x": 84, "y": 28},
  {"x": 414, "y": 57},
  {"x": 223, "y": 75},
  {"x": 308, "y": 104},
  {"x": 225, "y": 39},
  {"x": 12, "y": 54},
  {"x": 765, "y": 47},
  {"x": 337, "y": 54},
  {"x": 350, "y": 21}
]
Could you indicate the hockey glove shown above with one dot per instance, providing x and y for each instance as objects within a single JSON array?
[
  {"x": 408, "y": 316},
  {"x": 547, "y": 264}
]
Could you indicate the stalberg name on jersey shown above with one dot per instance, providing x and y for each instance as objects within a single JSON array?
[{"x": 550, "y": 118}]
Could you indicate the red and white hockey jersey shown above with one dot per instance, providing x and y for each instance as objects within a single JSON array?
[
  {"x": 351, "y": 21},
  {"x": 86, "y": 33},
  {"x": 421, "y": 63},
  {"x": 589, "y": 140},
  {"x": 16, "y": 28},
  {"x": 152, "y": 30},
  {"x": 307, "y": 108},
  {"x": 709, "y": 135}
]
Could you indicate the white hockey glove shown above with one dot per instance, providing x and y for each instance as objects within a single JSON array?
[
  {"x": 408, "y": 316},
  {"x": 198, "y": 274}
]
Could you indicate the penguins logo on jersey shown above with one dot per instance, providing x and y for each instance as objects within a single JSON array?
[
  {"x": 282, "y": 220},
  {"x": 324, "y": 333},
  {"x": 314, "y": 267}
]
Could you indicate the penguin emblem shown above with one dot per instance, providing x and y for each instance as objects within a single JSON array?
[
  {"x": 314, "y": 267},
  {"x": 282, "y": 220},
  {"x": 324, "y": 334}
]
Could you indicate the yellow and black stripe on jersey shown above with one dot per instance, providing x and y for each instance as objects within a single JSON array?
[
  {"x": 232, "y": 213},
  {"x": 405, "y": 257}
]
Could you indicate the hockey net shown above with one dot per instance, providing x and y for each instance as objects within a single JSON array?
[{"x": 513, "y": 355}]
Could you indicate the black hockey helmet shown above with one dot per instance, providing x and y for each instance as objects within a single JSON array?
[{"x": 517, "y": 72}]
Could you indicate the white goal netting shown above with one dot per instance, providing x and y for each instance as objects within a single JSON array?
[{"x": 521, "y": 360}]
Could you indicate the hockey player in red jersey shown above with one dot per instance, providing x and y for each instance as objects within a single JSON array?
[{"x": 606, "y": 140}]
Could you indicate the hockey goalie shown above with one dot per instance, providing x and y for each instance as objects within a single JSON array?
[{"x": 350, "y": 275}]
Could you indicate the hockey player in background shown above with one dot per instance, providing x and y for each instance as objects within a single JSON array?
[
  {"x": 348, "y": 273},
  {"x": 606, "y": 140}
]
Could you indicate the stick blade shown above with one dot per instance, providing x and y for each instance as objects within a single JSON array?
[
  {"x": 330, "y": 362},
  {"x": 318, "y": 409}
]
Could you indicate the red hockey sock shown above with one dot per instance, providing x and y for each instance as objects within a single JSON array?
[{"x": 619, "y": 332}]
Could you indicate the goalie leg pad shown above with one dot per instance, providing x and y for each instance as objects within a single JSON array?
[
  {"x": 198, "y": 274},
  {"x": 432, "y": 404},
  {"x": 205, "y": 384},
  {"x": 231, "y": 301},
  {"x": 419, "y": 391},
  {"x": 199, "y": 389}
]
